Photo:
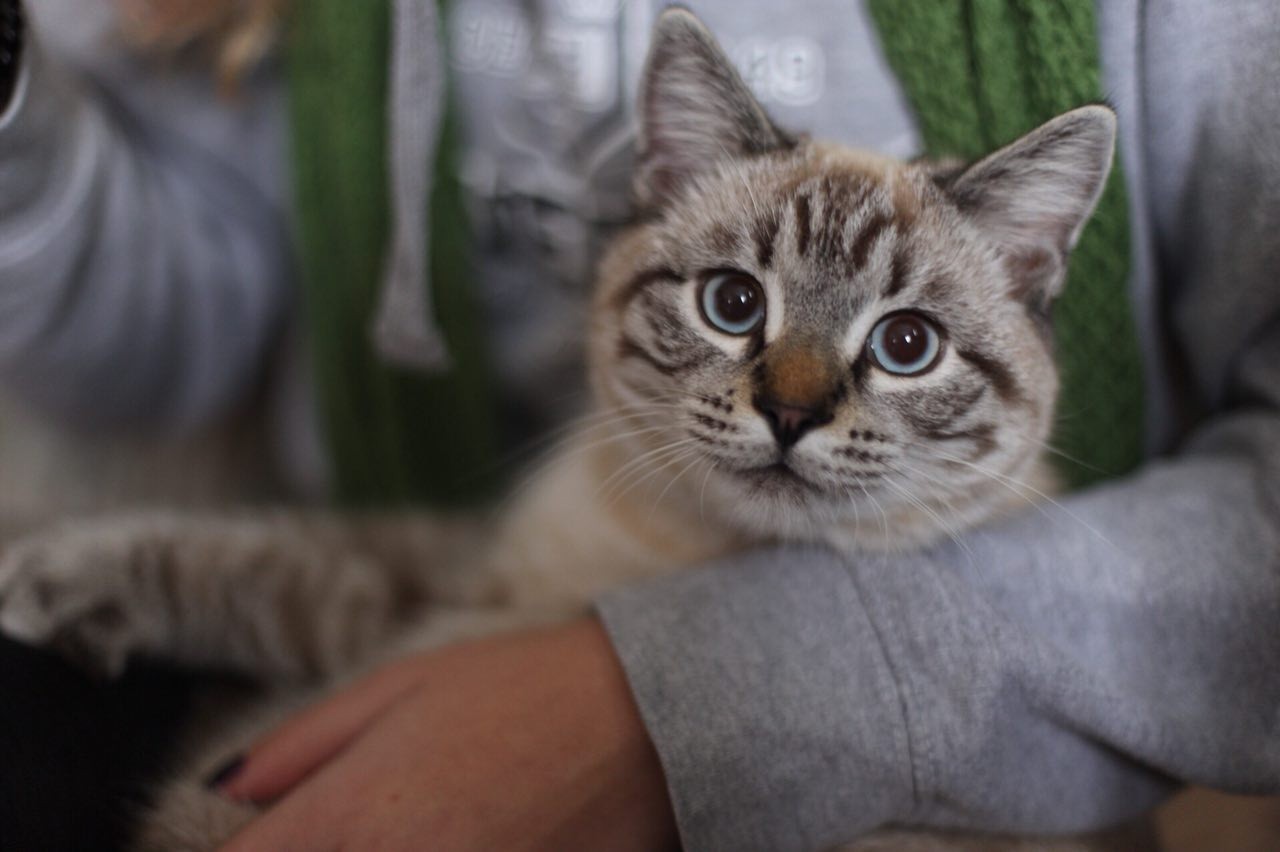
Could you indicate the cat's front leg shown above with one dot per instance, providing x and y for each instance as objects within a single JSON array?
[{"x": 267, "y": 596}]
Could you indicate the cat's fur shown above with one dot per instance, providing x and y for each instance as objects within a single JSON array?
[{"x": 679, "y": 464}]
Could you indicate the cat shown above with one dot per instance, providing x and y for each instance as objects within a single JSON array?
[{"x": 795, "y": 341}]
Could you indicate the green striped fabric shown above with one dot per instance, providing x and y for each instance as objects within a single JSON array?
[
  {"x": 394, "y": 436},
  {"x": 980, "y": 73}
]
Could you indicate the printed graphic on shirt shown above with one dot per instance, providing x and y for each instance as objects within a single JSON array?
[
  {"x": 789, "y": 70},
  {"x": 548, "y": 89}
]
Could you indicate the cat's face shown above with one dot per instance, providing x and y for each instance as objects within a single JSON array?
[{"x": 818, "y": 335}]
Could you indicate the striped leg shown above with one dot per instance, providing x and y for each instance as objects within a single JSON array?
[{"x": 287, "y": 595}]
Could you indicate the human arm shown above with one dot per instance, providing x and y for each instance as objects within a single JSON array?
[
  {"x": 524, "y": 742},
  {"x": 143, "y": 272},
  {"x": 1042, "y": 680},
  {"x": 798, "y": 699}
]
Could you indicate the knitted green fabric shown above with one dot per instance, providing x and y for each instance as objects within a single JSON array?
[
  {"x": 394, "y": 436},
  {"x": 979, "y": 74}
]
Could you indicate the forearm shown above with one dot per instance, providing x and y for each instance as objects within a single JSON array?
[
  {"x": 140, "y": 281},
  {"x": 527, "y": 741},
  {"x": 1051, "y": 674},
  {"x": 770, "y": 700},
  {"x": 1114, "y": 638}
]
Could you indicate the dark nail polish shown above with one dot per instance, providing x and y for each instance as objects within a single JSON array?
[{"x": 225, "y": 773}]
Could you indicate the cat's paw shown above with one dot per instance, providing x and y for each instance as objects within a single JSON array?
[
  {"x": 188, "y": 818},
  {"x": 73, "y": 593}
]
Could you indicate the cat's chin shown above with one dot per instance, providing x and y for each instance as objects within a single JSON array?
[
  {"x": 775, "y": 501},
  {"x": 778, "y": 479}
]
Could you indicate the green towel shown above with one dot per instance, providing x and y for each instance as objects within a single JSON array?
[
  {"x": 394, "y": 436},
  {"x": 980, "y": 73}
]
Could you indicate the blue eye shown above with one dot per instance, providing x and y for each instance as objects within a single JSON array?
[
  {"x": 905, "y": 344},
  {"x": 732, "y": 302}
]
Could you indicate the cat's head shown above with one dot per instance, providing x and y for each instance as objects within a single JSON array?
[{"x": 813, "y": 334}]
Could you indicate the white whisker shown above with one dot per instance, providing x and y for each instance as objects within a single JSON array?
[
  {"x": 658, "y": 466},
  {"x": 702, "y": 493},
  {"x": 884, "y": 519},
  {"x": 697, "y": 457},
  {"x": 943, "y": 525},
  {"x": 624, "y": 476},
  {"x": 1014, "y": 484}
]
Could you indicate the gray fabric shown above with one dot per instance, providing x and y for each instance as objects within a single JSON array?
[
  {"x": 144, "y": 259},
  {"x": 1119, "y": 41},
  {"x": 805, "y": 718},
  {"x": 1057, "y": 672},
  {"x": 405, "y": 330},
  {"x": 1044, "y": 678}
]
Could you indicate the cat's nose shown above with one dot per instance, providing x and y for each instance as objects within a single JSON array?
[{"x": 789, "y": 423}]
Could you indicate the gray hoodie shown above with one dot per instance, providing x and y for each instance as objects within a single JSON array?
[{"x": 1057, "y": 672}]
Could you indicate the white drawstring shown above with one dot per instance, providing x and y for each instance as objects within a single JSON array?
[{"x": 405, "y": 330}]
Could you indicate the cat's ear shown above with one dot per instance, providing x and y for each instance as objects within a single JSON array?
[
  {"x": 1034, "y": 196},
  {"x": 695, "y": 109}
]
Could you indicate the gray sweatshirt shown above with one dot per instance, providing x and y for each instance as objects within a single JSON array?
[{"x": 1058, "y": 672}]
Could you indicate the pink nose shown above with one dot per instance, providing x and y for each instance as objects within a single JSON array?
[{"x": 789, "y": 423}]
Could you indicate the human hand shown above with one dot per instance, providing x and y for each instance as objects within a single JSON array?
[{"x": 524, "y": 742}]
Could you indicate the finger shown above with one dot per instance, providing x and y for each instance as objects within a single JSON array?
[
  {"x": 297, "y": 822},
  {"x": 328, "y": 810},
  {"x": 294, "y": 750}
]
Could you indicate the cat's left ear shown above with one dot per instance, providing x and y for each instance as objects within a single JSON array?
[
  {"x": 695, "y": 109},
  {"x": 1034, "y": 196}
]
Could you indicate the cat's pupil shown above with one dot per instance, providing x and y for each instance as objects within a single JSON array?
[
  {"x": 905, "y": 339},
  {"x": 737, "y": 299}
]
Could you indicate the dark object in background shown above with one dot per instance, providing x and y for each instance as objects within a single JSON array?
[
  {"x": 75, "y": 755},
  {"x": 11, "y": 29}
]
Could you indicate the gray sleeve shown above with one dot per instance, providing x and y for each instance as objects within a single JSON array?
[
  {"x": 142, "y": 275},
  {"x": 1051, "y": 674},
  {"x": 1059, "y": 671}
]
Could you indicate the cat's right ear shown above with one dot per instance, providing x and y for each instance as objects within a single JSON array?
[{"x": 695, "y": 109}]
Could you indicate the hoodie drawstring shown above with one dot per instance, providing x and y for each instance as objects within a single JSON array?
[{"x": 405, "y": 330}]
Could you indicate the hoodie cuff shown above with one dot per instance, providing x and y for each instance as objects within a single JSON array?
[{"x": 769, "y": 699}]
